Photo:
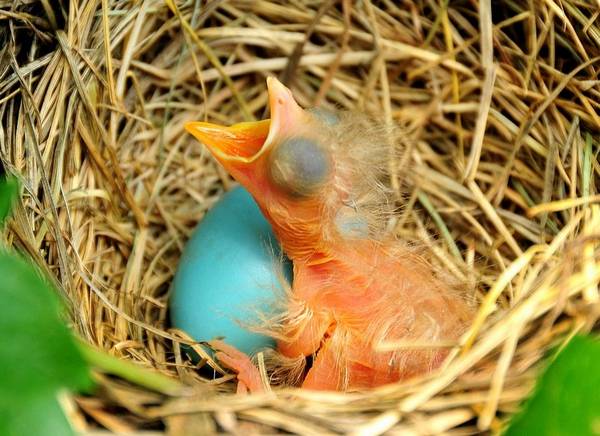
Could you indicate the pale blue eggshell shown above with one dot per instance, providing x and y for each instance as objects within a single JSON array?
[{"x": 227, "y": 273}]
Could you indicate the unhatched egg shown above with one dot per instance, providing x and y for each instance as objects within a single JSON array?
[{"x": 229, "y": 276}]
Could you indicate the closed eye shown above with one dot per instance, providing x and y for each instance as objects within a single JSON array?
[{"x": 300, "y": 166}]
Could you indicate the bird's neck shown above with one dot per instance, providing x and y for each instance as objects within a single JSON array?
[
  {"x": 299, "y": 231},
  {"x": 302, "y": 244},
  {"x": 307, "y": 237},
  {"x": 315, "y": 251}
]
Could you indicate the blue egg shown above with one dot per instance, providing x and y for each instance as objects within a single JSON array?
[{"x": 228, "y": 275}]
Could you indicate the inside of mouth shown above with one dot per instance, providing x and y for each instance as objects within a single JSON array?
[{"x": 246, "y": 140}]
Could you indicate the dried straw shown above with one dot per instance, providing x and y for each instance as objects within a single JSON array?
[{"x": 501, "y": 102}]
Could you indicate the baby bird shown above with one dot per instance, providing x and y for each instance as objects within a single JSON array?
[{"x": 319, "y": 178}]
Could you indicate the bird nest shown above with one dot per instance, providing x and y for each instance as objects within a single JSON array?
[{"x": 501, "y": 107}]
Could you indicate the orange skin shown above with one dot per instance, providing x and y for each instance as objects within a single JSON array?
[{"x": 349, "y": 294}]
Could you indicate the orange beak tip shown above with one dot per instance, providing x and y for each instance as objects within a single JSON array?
[{"x": 192, "y": 128}]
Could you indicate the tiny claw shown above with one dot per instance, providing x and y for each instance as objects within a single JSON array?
[{"x": 247, "y": 374}]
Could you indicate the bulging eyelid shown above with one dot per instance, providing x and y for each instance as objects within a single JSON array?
[
  {"x": 350, "y": 223},
  {"x": 300, "y": 166},
  {"x": 326, "y": 116}
]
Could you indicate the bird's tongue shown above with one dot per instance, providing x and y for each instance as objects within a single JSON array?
[{"x": 244, "y": 142}]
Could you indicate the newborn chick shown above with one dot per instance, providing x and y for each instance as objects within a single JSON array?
[{"x": 319, "y": 179}]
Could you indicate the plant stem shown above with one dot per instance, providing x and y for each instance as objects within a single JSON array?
[{"x": 127, "y": 370}]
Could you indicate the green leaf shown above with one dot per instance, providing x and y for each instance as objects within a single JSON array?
[
  {"x": 38, "y": 355},
  {"x": 567, "y": 397},
  {"x": 8, "y": 193},
  {"x": 41, "y": 415}
]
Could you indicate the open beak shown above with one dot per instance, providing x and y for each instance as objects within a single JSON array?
[{"x": 244, "y": 143}]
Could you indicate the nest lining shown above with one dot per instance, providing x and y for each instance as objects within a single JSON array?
[{"x": 501, "y": 104}]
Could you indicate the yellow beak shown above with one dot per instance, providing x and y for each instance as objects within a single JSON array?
[{"x": 244, "y": 142}]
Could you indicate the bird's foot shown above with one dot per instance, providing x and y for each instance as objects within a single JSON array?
[{"x": 247, "y": 374}]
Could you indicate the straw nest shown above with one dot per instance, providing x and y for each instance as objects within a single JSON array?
[{"x": 501, "y": 104}]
